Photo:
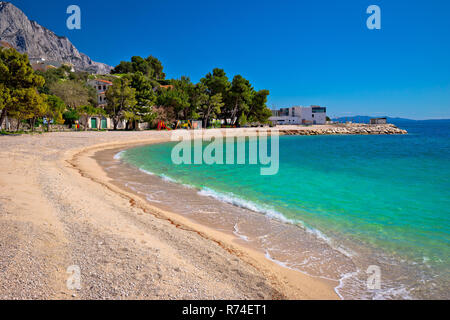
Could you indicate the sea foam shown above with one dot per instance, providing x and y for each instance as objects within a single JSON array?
[
  {"x": 246, "y": 204},
  {"x": 119, "y": 155}
]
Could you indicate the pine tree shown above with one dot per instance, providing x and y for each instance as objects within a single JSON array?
[{"x": 16, "y": 75}]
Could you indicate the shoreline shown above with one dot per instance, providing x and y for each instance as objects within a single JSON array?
[
  {"x": 52, "y": 216},
  {"x": 292, "y": 284},
  {"x": 341, "y": 129},
  {"x": 300, "y": 130},
  {"x": 126, "y": 177}
]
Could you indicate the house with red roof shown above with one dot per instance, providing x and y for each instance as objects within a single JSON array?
[{"x": 100, "y": 86}]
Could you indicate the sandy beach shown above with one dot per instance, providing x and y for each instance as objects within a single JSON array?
[{"x": 58, "y": 208}]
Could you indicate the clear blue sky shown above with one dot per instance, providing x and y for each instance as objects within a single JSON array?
[{"x": 305, "y": 52}]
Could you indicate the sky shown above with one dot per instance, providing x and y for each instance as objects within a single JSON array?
[{"x": 315, "y": 52}]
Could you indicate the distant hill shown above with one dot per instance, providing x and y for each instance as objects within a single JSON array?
[
  {"x": 366, "y": 119},
  {"x": 17, "y": 31}
]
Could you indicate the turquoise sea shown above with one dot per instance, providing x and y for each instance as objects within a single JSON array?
[{"x": 379, "y": 200}]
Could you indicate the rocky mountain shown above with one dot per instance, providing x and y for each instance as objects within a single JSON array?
[{"x": 40, "y": 43}]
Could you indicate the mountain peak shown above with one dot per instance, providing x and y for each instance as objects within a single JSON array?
[
  {"x": 41, "y": 43},
  {"x": 6, "y": 3}
]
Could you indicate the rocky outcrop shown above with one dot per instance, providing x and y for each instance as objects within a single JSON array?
[
  {"x": 40, "y": 43},
  {"x": 343, "y": 129}
]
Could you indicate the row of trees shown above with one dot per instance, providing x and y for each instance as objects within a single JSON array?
[
  {"x": 57, "y": 95},
  {"x": 150, "y": 67},
  {"x": 134, "y": 92},
  {"x": 19, "y": 94},
  {"x": 214, "y": 97},
  {"x": 140, "y": 93}
]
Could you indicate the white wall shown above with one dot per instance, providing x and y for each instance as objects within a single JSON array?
[
  {"x": 100, "y": 87},
  {"x": 297, "y": 115},
  {"x": 285, "y": 120},
  {"x": 320, "y": 118},
  {"x": 316, "y": 118}
]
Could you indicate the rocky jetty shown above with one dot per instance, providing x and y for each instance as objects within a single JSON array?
[{"x": 342, "y": 129}]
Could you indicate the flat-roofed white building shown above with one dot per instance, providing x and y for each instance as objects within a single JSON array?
[{"x": 299, "y": 115}]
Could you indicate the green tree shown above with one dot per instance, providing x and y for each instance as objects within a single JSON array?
[
  {"x": 243, "y": 120},
  {"x": 258, "y": 110},
  {"x": 81, "y": 76},
  {"x": 5, "y": 96},
  {"x": 28, "y": 105},
  {"x": 132, "y": 120},
  {"x": 156, "y": 68},
  {"x": 145, "y": 96},
  {"x": 238, "y": 99},
  {"x": 150, "y": 67},
  {"x": 214, "y": 88},
  {"x": 186, "y": 89},
  {"x": 123, "y": 68},
  {"x": 145, "y": 100},
  {"x": 217, "y": 82},
  {"x": 54, "y": 110},
  {"x": 16, "y": 74},
  {"x": 207, "y": 105},
  {"x": 53, "y": 75},
  {"x": 140, "y": 65},
  {"x": 121, "y": 98},
  {"x": 70, "y": 116},
  {"x": 73, "y": 93},
  {"x": 178, "y": 98}
]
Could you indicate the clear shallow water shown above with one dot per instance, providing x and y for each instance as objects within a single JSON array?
[{"x": 378, "y": 200}]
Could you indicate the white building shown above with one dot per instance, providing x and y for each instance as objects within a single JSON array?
[
  {"x": 100, "y": 122},
  {"x": 100, "y": 86},
  {"x": 299, "y": 115}
]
